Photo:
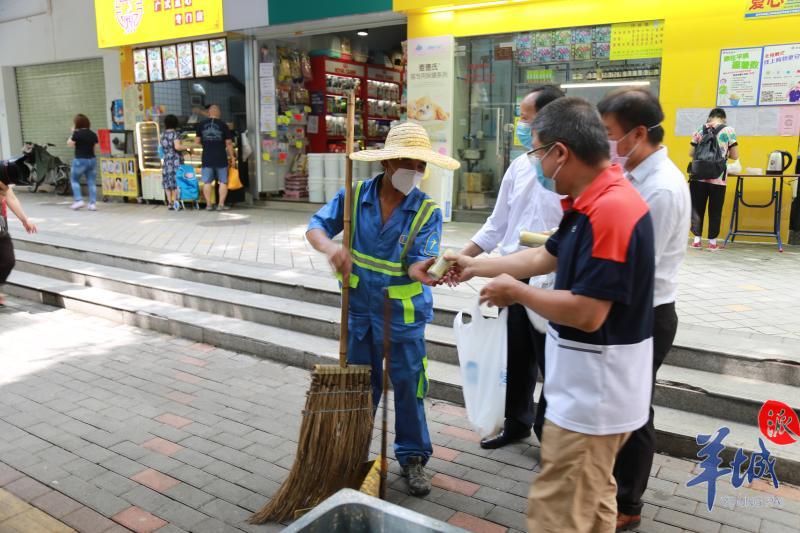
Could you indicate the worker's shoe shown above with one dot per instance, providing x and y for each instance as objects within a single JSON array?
[
  {"x": 626, "y": 522},
  {"x": 418, "y": 482}
]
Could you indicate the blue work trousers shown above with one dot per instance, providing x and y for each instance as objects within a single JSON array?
[
  {"x": 410, "y": 384},
  {"x": 84, "y": 167}
]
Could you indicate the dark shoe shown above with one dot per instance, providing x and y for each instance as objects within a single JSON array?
[
  {"x": 418, "y": 482},
  {"x": 626, "y": 522},
  {"x": 503, "y": 438}
]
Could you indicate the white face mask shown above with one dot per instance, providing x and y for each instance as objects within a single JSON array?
[
  {"x": 405, "y": 179},
  {"x": 622, "y": 160}
]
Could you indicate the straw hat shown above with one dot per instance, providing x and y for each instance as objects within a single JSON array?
[{"x": 407, "y": 140}]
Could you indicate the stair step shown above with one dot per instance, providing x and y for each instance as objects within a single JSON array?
[
  {"x": 269, "y": 310},
  {"x": 728, "y": 397},
  {"x": 677, "y": 428},
  {"x": 771, "y": 360}
]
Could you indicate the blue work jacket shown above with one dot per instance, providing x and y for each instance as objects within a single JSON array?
[{"x": 381, "y": 256}]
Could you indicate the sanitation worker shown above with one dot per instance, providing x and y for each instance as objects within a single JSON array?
[{"x": 395, "y": 237}]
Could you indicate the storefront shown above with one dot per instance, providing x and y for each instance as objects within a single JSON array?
[
  {"x": 498, "y": 50},
  {"x": 176, "y": 58},
  {"x": 306, "y": 66}
]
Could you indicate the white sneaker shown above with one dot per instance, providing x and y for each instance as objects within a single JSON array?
[
  {"x": 92, "y": 207},
  {"x": 77, "y": 205}
]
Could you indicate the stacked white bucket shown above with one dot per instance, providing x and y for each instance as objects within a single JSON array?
[
  {"x": 327, "y": 173},
  {"x": 316, "y": 178}
]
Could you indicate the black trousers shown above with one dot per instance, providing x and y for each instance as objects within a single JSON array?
[
  {"x": 525, "y": 348},
  {"x": 7, "y": 260},
  {"x": 635, "y": 459},
  {"x": 706, "y": 194}
]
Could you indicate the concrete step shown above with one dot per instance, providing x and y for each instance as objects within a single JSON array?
[
  {"x": 747, "y": 356},
  {"x": 246, "y": 276},
  {"x": 729, "y": 397},
  {"x": 677, "y": 428},
  {"x": 294, "y": 315}
]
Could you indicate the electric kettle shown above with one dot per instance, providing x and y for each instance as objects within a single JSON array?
[{"x": 778, "y": 162}]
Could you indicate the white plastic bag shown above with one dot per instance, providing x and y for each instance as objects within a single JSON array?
[
  {"x": 482, "y": 352},
  {"x": 547, "y": 281}
]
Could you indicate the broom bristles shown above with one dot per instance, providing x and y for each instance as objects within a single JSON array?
[{"x": 334, "y": 440}]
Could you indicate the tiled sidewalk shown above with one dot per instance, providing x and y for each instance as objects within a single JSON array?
[
  {"x": 125, "y": 427},
  {"x": 750, "y": 289}
]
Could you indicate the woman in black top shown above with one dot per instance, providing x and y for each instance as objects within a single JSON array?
[{"x": 84, "y": 140}]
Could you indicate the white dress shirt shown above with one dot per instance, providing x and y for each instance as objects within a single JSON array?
[
  {"x": 522, "y": 205},
  {"x": 664, "y": 188}
]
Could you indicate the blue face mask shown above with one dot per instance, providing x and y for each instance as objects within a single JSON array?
[
  {"x": 525, "y": 134},
  {"x": 536, "y": 162}
]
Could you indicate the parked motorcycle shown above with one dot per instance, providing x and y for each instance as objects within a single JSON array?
[{"x": 45, "y": 168}]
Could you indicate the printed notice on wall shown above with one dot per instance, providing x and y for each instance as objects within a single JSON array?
[
  {"x": 430, "y": 104},
  {"x": 770, "y": 8},
  {"x": 780, "y": 75},
  {"x": 267, "y": 122},
  {"x": 637, "y": 40},
  {"x": 739, "y": 71}
]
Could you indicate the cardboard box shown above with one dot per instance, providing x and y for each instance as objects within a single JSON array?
[
  {"x": 476, "y": 182},
  {"x": 474, "y": 200}
]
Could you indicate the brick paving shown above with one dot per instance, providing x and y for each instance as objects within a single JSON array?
[
  {"x": 743, "y": 290},
  {"x": 101, "y": 429}
]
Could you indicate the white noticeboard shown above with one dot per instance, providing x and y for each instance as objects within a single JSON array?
[
  {"x": 780, "y": 75},
  {"x": 431, "y": 67},
  {"x": 739, "y": 73}
]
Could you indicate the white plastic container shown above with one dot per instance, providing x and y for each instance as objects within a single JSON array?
[
  {"x": 316, "y": 166},
  {"x": 342, "y": 161},
  {"x": 316, "y": 190},
  {"x": 331, "y": 165},
  {"x": 332, "y": 188}
]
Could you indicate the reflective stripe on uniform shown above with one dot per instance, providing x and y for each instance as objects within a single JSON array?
[
  {"x": 423, "y": 215},
  {"x": 422, "y": 386},
  {"x": 405, "y": 293},
  {"x": 353, "y": 280},
  {"x": 354, "y": 213}
]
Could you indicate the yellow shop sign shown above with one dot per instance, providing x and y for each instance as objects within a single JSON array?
[{"x": 124, "y": 22}]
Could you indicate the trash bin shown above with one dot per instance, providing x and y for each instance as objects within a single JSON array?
[{"x": 350, "y": 511}]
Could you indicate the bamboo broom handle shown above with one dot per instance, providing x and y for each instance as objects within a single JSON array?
[
  {"x": 387, "y": 361},
  {"x": 348, "y": 213}
]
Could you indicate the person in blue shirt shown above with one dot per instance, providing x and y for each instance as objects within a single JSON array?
[{"x": 395, "y": 237}]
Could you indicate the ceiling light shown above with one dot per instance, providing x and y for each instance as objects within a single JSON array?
[
  {"x": 605, "y": 84},
  {"x": 362, "y": 33},
  {"x": 467, "y": 6}
]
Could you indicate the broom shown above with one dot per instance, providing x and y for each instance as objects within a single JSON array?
[{"x": 337, "y": 420}]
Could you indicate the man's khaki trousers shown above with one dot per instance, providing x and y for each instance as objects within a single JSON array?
[{"x": 575, "y": 491}]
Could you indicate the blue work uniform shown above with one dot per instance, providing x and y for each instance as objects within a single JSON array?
[{"x": 381, "y": 256}]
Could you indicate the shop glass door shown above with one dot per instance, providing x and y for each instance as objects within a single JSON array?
[{"x": 494, "y": 73}]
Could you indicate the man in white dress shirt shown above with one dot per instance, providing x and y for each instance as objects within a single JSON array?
[
  {"x": 523, "y": 204},
  {"x": 633, "y": 119}
]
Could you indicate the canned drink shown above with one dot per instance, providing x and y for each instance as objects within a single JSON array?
[{"x": 440, "y": 267}]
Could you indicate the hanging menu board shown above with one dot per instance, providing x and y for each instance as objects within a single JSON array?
[
  {"x": 739, "y": 72},
  {"x": 170, "y": 56},
  {"x": 140, "y": 66},
  {"x": 219, "y": 57},
  {"x": 637, "y": 40},
  {"x": 185, "y": 61},
  {"x": 780, "y": 75},
  {"x": 765, "y": 76},
  {"x": 202, "y": 61},
  {"x": 154, "y": 64}
]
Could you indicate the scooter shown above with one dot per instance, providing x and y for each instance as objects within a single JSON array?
[{"x": 45, "y": 168}]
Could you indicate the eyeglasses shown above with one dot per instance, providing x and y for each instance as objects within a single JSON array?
[{"x": 532, "y": 153}]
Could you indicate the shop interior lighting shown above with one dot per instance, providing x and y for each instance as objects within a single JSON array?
[
  {"x": 605, "y": 84},
  {"x": 468, "y": 6},
  {"x": 362, "y": 33}
]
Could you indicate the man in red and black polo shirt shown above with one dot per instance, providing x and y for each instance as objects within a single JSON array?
[{"x": 599, "y": 353}]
